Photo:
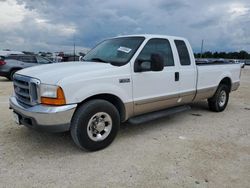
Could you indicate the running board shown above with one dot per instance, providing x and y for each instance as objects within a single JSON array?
[{"x": 158, "y": 114}]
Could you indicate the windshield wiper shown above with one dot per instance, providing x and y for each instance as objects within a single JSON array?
[{"x": 98, "y": 60}]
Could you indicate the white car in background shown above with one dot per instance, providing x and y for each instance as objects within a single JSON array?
[
  {"x": 241, "y": 62},
  {"x": 9, "y": 52}
]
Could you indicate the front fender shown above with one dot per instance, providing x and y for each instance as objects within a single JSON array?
[{"x": 76, "y": 94}]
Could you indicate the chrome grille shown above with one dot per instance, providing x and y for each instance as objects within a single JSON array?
[{"x": 26, "y": 89}]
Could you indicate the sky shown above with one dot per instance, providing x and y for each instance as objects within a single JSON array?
[{"x": 54, "y": 25}]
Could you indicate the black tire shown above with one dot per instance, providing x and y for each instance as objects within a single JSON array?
[
  {"x": 11, "y": 75},
  {"x": 80, "y": 128},
  {"x": 215, "y": 103}
]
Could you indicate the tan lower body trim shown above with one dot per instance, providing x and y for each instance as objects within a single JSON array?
[
  {"x": 187, "y": 97},
  {"x": 145, "y": 107},
  {"x": 205, "y": 93},
  {"x": 235, "y": 86},
  {"x": 159, "y": 103},
  {"x": 129, "y": 110}
]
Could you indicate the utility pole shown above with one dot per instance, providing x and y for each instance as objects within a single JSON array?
[
  {"x": 74, "y": 49},
  {"x": 202, "y": 43}
]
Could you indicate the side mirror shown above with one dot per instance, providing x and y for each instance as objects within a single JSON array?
[{"x": 156, "y": 63}]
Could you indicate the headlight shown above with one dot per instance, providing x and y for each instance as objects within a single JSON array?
[
  {"x": 52, "y": 95},
  {"x": 48, "y": 91}
]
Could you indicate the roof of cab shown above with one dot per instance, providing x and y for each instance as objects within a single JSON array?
[{"x": 148, "y": 36}]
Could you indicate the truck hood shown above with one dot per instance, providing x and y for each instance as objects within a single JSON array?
[{"x": 53, "y": 73}]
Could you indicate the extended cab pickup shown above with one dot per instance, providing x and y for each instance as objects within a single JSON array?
[{"x": 135, "y": 78}]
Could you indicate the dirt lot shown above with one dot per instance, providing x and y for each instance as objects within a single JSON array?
[{"x": 196, "y": 148}]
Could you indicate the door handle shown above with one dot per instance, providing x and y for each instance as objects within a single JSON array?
[{"x": 176, "y": 76}]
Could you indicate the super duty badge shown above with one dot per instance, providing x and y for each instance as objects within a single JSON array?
[{"x": 124, "y": 80}]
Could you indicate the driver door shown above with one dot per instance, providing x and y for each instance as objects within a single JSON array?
[{"x": 155, "y": 90}]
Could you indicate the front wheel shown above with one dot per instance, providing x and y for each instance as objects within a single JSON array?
[
  {"x": 220, "y": 99},
  {"x": 95, "y": 125}
]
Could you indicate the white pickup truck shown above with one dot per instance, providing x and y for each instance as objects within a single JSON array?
[{"x": 135, "y": 78}]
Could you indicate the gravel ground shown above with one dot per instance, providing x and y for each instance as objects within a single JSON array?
[{"x": 196, "y": 148}]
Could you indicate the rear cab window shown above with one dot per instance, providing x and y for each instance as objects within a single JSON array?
[{"x": 182, "y": 52}]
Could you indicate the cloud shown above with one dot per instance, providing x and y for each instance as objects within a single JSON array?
[
  {"x": 173, "y": 6},
  {"x": 49, "y": 25}
]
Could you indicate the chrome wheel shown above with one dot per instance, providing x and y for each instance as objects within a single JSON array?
[
  {"x": 222, "y": 98},
  {"x": 99, "y": 126}
]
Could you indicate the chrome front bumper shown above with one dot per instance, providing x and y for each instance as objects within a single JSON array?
[{"x": 42, "y": 117}]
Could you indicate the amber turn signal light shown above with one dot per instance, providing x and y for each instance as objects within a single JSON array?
[{"x": 58, "y": 101}]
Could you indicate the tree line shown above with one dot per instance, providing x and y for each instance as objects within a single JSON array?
[{"x": 226, "y": 55}]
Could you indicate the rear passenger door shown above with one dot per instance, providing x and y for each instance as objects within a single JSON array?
[
  {"x": 155, "y": 90},
  {"x": 187, "y": 72}
]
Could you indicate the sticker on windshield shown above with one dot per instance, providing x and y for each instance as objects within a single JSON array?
[{"x": 124, "y": 49}]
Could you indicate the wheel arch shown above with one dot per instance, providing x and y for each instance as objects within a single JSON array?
[
  {"x": 226, "y": 81},
  {"x": 13, "y": 69},
  {"x": 113, "y": 99}
]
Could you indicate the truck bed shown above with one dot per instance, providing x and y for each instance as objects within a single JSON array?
[{"x": 209, "y": 74}]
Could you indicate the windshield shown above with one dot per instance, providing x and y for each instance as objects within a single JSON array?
[
  {"x": 117, "y": 51},
  {"x": 43, "y": 60}
]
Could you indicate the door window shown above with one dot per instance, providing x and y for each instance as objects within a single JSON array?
[
  {"x": 28, "y": 59},
  {"x": 157, "y": 46},
  {"x": 42, "y": 60},
  {"x": 15, "y": 57}
]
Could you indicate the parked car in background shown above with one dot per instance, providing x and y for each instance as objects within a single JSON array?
[
  {"x": 68, "y": 58},
  {"x": 238, "y": 61},
  {"x": 241, "y": 62},
  {"x": 9, "y": 52},
  {"x": 247, "y": 62},
  {"x": 11, "y": 63},
  {"x": 200, "y": 61}
]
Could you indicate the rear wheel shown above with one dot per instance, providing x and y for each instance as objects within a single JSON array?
[
  {"x": 220, "y": 99},
  {"x": 95, "y": 125}
]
